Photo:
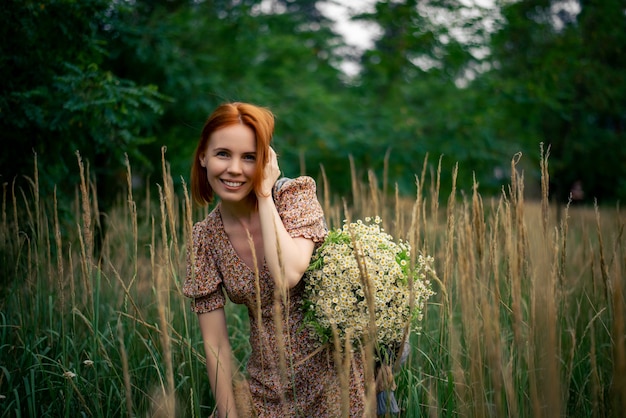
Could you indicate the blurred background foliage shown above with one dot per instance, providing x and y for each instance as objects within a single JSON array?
[{"x": 458, "y": 80}]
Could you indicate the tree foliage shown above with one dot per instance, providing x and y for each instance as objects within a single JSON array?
[
  {"x": 561, "y": 76},
  {"x": 474, "y": 85},
  {"x": 56, "y": 99}
]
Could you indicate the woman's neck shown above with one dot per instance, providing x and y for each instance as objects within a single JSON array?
[{"x": 239, "y": 212}]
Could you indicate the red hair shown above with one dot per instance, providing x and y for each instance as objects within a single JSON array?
[{"x": 259, "y": 119}]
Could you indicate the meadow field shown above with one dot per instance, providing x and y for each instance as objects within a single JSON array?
[{"x": 528, "y": 320}]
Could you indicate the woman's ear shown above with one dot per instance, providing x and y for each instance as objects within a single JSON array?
[{"x": 201, "y": 158}]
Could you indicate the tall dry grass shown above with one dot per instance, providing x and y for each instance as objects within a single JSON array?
[{"x": 528, "y": 320}]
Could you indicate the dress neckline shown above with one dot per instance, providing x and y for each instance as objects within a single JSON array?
[{"x": 224, "y": 236}]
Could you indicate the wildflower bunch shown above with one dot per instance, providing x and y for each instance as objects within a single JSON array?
[{"x": 337, "y": 288}]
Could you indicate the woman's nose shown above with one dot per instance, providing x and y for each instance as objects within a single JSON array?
[{"x": 234, "y": 166}]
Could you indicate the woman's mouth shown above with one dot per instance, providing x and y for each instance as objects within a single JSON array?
[{"x": 232, "y": 183}]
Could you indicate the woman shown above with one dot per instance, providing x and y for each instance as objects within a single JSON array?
[{"x": 256, "y": 245}]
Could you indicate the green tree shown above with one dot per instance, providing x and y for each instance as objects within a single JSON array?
[
  {"x": 56, "y": 99},
  {"x": 419, "y": 96},
  {"x": 561, "y": 80}
]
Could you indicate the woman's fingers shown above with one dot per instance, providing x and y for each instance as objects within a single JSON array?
[
  {"x": 271, "y": 172},
  {"x": 273, "y": 165}
]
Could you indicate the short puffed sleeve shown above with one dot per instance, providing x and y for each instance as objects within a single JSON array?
[
  {"x": 300, "y": 210},
  {"x": 204, "y": 281}
]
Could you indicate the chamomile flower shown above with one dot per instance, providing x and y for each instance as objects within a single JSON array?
[{"x": 69, "y": 374}]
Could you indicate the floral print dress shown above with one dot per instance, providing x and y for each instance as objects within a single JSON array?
[{"x": 309, "y": 387}]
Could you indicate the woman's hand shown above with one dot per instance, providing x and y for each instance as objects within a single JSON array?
[{"x": 270, "y": 174}]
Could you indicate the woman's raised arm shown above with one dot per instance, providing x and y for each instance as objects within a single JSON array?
[{"x": 295, "y": 253}]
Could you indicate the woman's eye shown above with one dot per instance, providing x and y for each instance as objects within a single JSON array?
[
  {"x": 221, "y": 154},
  {"x": 249, "y": 157}
]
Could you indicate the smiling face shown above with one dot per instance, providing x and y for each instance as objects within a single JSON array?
[
  {"x": 241, "y": 125},
  {"x": 230, "y": 162}
]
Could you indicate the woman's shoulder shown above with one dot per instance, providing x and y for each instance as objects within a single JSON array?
[
  {"x": 294, "y": 185},
  {"x": 209, "y": 223},
  {"x": 299, "y": 208},
  {"x": 299, "y": 192}
]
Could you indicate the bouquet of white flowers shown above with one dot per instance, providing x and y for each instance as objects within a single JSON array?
[{"x": 339, "y": 291}]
